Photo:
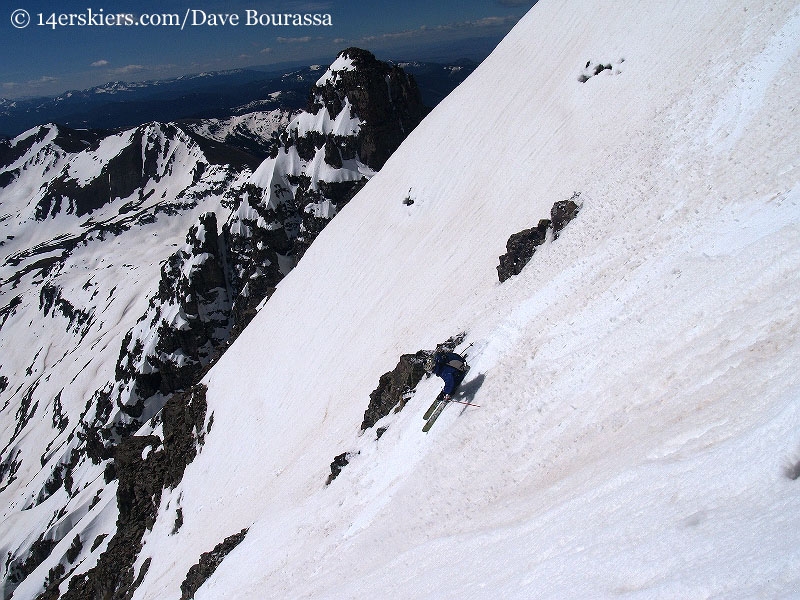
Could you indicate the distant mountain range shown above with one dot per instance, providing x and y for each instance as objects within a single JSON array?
[{"x": 218, "y": 95}]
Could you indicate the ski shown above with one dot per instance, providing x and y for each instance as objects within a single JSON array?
[
  {"x": 432, "y": 407},
  {"x": 440, "y": 404},
  {"x": 437, "y": 407}
]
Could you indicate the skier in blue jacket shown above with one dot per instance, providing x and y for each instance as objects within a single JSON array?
[{"x": 452, "y": 368}]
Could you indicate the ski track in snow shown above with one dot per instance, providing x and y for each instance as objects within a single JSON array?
[{"x": 751, "y": 82}]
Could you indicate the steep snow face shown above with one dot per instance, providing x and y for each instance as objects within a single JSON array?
[
  {"x": 638, "y": 422},
  {"x": 637, "y": 429},
  {"x": 639, "y": 369}
]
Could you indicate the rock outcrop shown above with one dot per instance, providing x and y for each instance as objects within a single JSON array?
[
  {"x": 395, "y": 387},
  {"x": 394, "y": 390},
  {"x": 521, "y": 246},
  {"x": 382, "y": 96},
  {"x": 563, "y": 212},
  {"x": 208, "y": 563},
  {"x": 144, "y": 467}
]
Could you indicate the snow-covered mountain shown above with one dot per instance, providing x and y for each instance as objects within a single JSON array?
[
  {"x": 120, "y": 308},
  {"x": 637, "y": 423},
  {"x": 254, "y": 131},
  {"x": 87, "y": 219}
]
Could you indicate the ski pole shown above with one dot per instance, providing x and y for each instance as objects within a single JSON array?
[{"x": 467, "y": 403}]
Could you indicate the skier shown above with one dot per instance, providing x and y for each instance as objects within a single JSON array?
[{"x": 451, "y": 367}]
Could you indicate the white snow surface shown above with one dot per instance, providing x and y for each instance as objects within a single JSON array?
[
  {"x": 259, "y": 124},
  {"x": 638, "y": 386},
  {"x": 341, "y": 64},
  {"x": 344, "y": 124}
]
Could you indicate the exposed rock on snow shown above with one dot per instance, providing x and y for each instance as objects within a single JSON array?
[
  {"x": 394, "y": 390},
  {"x": 339, "y": 463},
  {"x": 563, "y": 212},
  {"x": 142, "y": 476},
  {"x": 521, "y": 246},
  {"x": 793, "y": 470},
  {"x": 51, "y": 298},
  {"x": 209, "y": 561},
  {"x": 20, "y": 568},
  {"x": 395, "y": 387},
  {"x": 595, "y": 68}
]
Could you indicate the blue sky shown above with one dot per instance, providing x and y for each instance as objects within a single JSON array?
[{"x": 41, "y": 60}]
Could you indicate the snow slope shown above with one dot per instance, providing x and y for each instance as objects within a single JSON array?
[
  {"x": 638, "y": 430},
  {"x": 258, "y": 126}
]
